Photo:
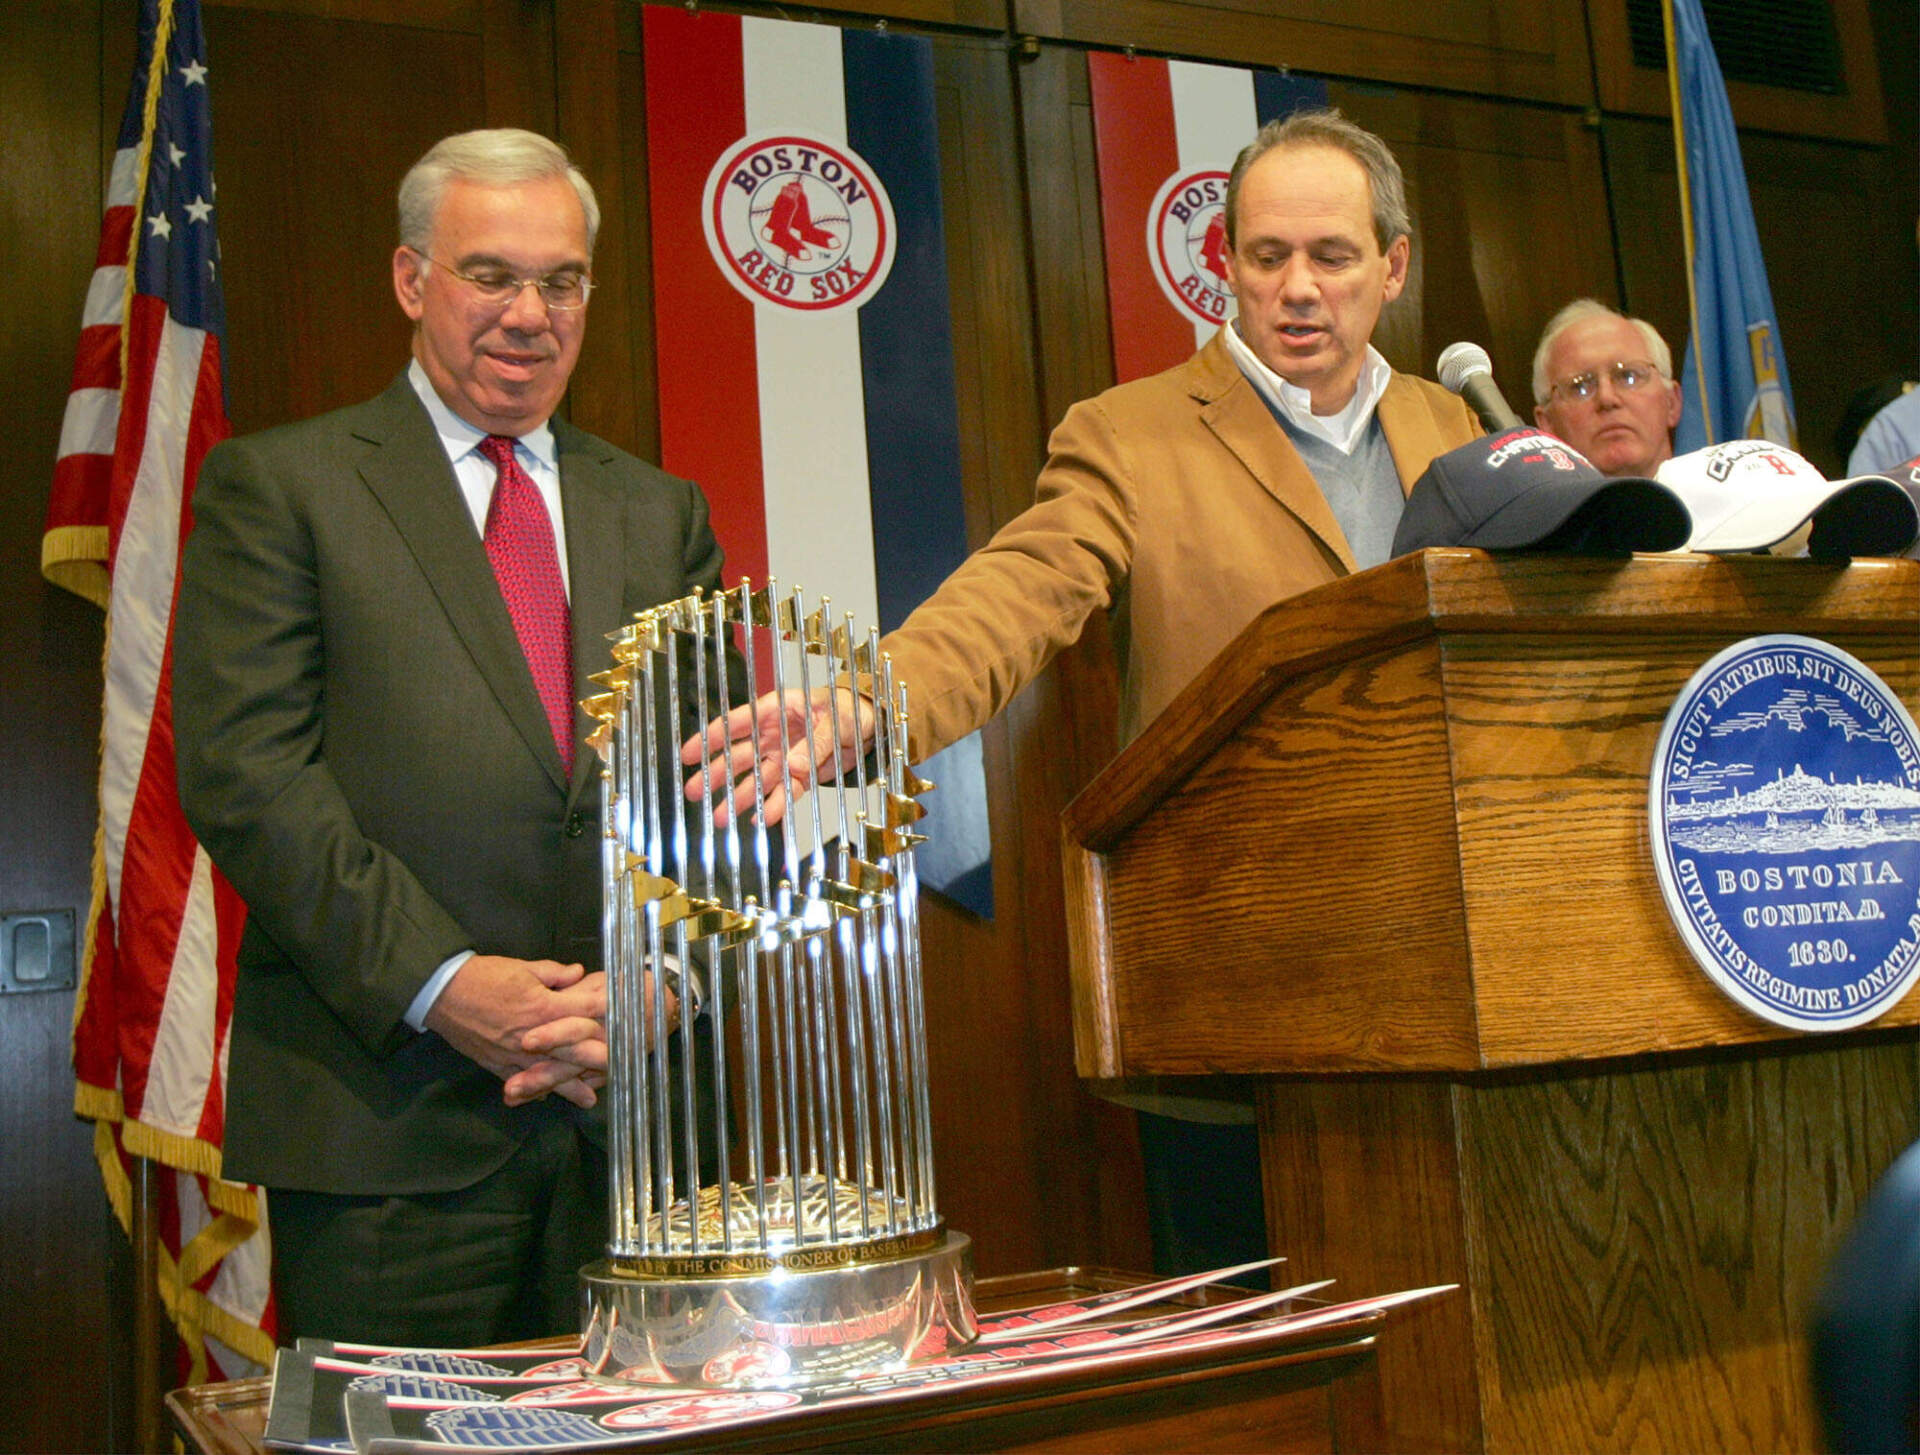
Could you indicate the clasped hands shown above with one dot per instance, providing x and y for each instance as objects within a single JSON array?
[{"x": 538, "y": 1025}]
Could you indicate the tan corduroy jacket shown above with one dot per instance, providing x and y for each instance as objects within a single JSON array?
[{"x": 1177, "y": 502}]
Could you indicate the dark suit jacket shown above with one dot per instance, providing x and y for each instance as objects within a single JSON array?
[{"x": 362, "y": 752}]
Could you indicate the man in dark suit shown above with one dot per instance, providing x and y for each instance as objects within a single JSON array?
[{"x": 386, "y": 618}]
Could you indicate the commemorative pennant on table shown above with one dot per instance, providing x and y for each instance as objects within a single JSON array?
[
  {"x": 395, "y": 1401},
  {"x": 802, "y": 330},
  {"x": 1166, "y": 133}
]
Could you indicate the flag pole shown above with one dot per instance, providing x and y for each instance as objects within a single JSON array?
[
  {"x": 143, "y": 1223},
  {"x": 149, "y": 1424},
  {"x": 1686, "y": 213}
]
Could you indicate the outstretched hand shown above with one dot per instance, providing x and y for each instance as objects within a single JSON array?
[{"x": 823, "y": 735}]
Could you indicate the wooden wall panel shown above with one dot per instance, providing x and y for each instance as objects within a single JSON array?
[
  {"x": 635, "y": 322},
  {"x": 973, "y": 14},
  {"x": 61, "y": 1251},
  {"x": 1533, "y": 50},
  {"x": 441, "y": 15},
  {"x": 589, "y": 117},
  {"x": 307, "y": 175},
  {"x": 1855, "y": 114},
  {"x": 1509, "y": 211}
]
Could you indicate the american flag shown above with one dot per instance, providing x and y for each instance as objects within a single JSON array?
[{"x": 148, "y": 402}]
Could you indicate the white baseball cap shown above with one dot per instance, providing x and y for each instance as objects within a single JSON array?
[{"x": 1747, "y": 495}]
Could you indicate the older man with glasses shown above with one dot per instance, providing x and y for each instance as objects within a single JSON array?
[
  {"x": 1603, "y": 382},
  {"x": 387, "y": 615}
]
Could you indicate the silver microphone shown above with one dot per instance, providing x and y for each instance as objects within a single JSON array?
[{"x": 1465, "y": 369}]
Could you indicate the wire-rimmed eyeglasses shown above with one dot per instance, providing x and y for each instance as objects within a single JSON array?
[
  {"x": 497, "y": 287},
  {"x": 1627, "y": 376}
]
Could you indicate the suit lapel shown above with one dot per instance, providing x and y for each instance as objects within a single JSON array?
[
  {"x": 1413, "y": 434},
  {"x": 596, "y": 553},
  {"x": 1239, "y": 418},
  {"x": 410, "y": 476}
]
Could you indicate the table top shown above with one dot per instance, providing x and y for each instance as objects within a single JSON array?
[{"x": 1281, "y": 1393}]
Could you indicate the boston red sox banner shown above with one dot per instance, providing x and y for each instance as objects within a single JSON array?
[
  {"x": 802, "y": 330},
  {"x": 1166, "y": 133}
]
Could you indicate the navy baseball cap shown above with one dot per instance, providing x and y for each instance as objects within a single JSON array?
[{"x": 1527, "y": 490}]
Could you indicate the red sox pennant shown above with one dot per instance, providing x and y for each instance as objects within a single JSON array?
[
  {"x": 1166, "y": 133},
  {"x": 802, "y": 330}
]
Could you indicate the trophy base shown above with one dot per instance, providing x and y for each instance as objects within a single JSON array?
[{"x": 781, "y": 1329}]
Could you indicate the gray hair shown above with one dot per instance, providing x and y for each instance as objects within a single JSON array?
[
  {"x": 501, "y": 157},
  {"x": 1580, "y": 311},
  {"x": 1386, "y": 187}
]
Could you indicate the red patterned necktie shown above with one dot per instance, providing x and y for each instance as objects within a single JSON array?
[{"x": 519, "y": 540}]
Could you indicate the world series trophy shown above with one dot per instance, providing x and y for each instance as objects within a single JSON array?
[{"x": 772, "y": 1203}]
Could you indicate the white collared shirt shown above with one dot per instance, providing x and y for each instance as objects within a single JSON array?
[
  {"x": 1342, "y": 429},
  {"x": 535, "y": 450}
]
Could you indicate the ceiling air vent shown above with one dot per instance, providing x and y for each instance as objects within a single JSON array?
[{"x": 1786, "y": 43}]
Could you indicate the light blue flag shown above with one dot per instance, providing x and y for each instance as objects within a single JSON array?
[{"x": 1734, "y": 382}]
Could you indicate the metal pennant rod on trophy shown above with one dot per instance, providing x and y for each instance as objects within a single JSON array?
[{"x": 771, "y": 1179}]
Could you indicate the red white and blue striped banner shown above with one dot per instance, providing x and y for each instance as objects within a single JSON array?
[
  {"x": 147, "y": 403},
  {"x": 1166, "y": 133},
  {"x": 803, "y": 334}
]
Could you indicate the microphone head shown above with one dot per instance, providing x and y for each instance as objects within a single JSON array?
[{"x": 1459, "y": 363}]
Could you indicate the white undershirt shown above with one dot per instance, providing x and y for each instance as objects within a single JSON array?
[{"x": 1341, "y": 429}]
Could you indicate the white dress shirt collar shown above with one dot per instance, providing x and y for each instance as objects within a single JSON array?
[
  {"x": 1341, "y": 429},
  {"x": 459, "y": 439},
  {"x": 474, "y": 473}
]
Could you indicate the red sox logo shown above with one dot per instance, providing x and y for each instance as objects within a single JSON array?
[
  {"x": 798, "y": 221},
  {"x": 1187, "y": 244}
]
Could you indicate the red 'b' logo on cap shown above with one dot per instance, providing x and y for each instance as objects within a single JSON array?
[{"x": 798, "y": 221}]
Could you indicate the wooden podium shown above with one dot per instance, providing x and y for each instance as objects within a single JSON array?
[{"x": 1389, "y": 855}]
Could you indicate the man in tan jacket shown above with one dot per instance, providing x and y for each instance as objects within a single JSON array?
[{"x": 1274, "y": 460}]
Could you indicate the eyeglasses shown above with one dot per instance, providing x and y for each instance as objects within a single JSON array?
[
  {"x": 561, "y": 291},
  {"x": 1627, "y": 375}
]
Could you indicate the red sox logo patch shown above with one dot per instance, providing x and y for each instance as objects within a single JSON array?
[
  {"x": 1187, "y": 244},
  {"x": 798, "y": 221}
]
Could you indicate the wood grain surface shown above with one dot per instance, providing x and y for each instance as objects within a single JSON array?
[
  {"x": 1294, "y": 905},
  {"x": 1574, "y": 953},
  {"x": 1639, "y": 1247},
  {"x": 1401, "y": 826},
  {"x": 1494, "y": 47},
  {"x": 1405, "y": 815}
]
